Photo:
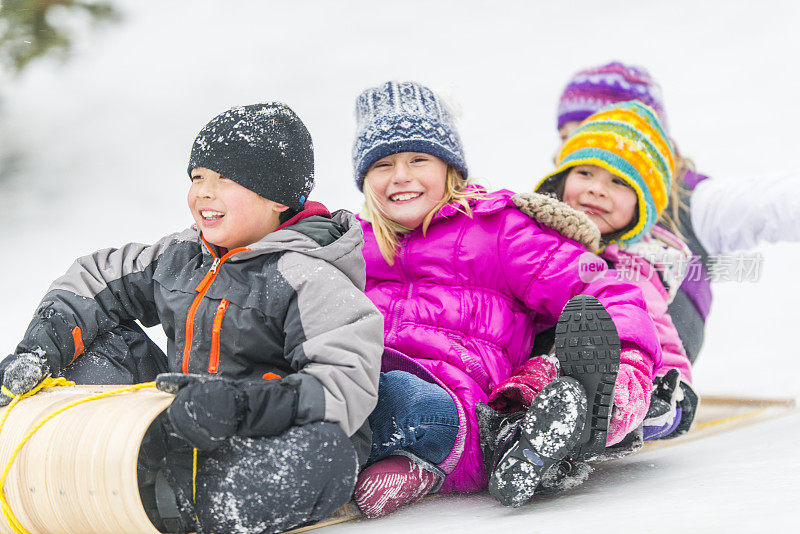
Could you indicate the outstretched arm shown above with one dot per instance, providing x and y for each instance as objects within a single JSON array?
[
  {"x": 96, "y": 293},
  {"x": 736, "y": 215}
]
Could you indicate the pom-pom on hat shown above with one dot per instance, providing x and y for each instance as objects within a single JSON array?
[
  {"x": 628, "y": 141},
  {"x": 263, "y": 147},
  {"x": 594, "y": 88},
  {"x": 403, "y": 117}
]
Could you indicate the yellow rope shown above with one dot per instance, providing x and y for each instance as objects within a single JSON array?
[
  {"x": 47, "y": 383},
  {"x": 194, "y": 481},
  {"x": 194, "y": 474}
]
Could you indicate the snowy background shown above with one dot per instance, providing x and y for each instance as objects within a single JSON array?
[{"x": 93, "y": 153}]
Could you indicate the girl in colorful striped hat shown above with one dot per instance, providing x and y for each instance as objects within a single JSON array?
[
  {"x": 713, "y": 216},
  {"x": 611, "y": 184}
]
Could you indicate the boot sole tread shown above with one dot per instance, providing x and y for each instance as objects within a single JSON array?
[{"x": 588, "y": 348}]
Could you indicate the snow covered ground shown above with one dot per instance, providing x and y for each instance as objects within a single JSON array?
[{"x": 93, "y": 154}]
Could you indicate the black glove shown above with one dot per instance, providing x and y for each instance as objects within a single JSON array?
[
  {"x": 209, "y": 409},
  {"x": 20, "y": 373}
]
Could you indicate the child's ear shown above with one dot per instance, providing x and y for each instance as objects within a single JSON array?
[{"x": 279, "y": 208}]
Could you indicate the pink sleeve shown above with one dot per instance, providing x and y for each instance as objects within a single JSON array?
[
  {"x": 655, "y": 297},
  {"x": 541, "y": 268}
]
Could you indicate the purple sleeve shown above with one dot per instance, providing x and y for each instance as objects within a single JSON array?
[{"x": 692, "y": 178}]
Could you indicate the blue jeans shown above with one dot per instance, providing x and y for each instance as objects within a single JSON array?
[{"x": 412, "y": 416}]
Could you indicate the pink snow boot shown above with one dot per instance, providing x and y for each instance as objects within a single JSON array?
[{"x": 391, "y": 483}]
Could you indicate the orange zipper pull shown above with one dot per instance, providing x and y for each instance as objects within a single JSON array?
[{"x": 209, "y": 277}]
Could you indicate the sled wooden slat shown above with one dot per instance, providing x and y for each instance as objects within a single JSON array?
[
  {"x": 77, "y": 473},
  {"x": 348, "y": 512},
  {"x": 345, "y": 513},
  {"x": 718, "y": 414},
  {"x": 728, "y": 400}
]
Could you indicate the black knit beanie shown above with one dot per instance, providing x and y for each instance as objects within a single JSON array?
[{"x": 263, "y": 147}]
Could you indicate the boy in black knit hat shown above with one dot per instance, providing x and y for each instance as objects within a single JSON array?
[{"x": 273, "y": 350}]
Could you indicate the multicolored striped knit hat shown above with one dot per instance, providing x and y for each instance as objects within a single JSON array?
[
  {"x": 403, "y": 117},
  {"x": 628, "y": 141},
  {"x": 594, "y": 88}
]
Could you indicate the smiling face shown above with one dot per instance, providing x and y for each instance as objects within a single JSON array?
[
  {"x": 607, "y": 199},
  {"x": 228, "y": 214},
  {"x": 407, "y": 186}
]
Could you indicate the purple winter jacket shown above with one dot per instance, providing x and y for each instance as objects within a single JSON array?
[{"x": 462, "y": 304}]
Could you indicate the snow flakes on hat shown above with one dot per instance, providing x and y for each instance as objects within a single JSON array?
[{"x": 263, "y": 147}]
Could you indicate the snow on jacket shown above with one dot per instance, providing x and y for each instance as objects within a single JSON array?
[
  {"x": 463, "y": 303},
  {"x": 291, "y": 304},
  {"x": 632, "y": 264}
]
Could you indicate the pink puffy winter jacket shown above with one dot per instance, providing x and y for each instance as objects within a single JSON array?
[{"x": 463, "y": 303}]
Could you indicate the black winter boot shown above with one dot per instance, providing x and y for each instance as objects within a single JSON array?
[
  {"x": 588, "y": 348},
  {"x": 495, "y": 430},
  {"x": 549, "y": 430},
  {"x": 563, "y": 476}
]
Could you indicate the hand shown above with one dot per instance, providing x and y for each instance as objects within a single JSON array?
[
  {"x": 209, "y": 409},
  {"x": 206, "y": 410},
  {"x": 631, "y": 396},
  {"x": 517, "y": 391},
  {"x": 20, "y": 374}
]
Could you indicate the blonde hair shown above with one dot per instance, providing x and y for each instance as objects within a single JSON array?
[
  {"x": 669, "y": 218},
  {"x": 386, "y": 230}
]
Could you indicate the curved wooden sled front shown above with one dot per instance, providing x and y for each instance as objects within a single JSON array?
[{"x": 77, "y": 473}]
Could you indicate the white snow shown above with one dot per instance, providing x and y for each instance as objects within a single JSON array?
[{"x": 93, "y": 153}]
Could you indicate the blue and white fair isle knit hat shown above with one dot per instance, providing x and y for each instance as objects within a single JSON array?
[{"x": 403, "y": 117}]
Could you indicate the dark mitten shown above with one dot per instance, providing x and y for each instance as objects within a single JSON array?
[
  {"x": 20, "y": 374},
  {"x": 495, "y": 429},
  {"x": 271, "y": 407},
  {"x": 206, "y": 410},
  {"x": 322, "y": 230},
  {"x": 209, "y": 409}
]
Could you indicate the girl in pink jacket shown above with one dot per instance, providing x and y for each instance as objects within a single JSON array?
[
  {"x": 465, "y": 281},
  {"x": 613, "y": 177}
]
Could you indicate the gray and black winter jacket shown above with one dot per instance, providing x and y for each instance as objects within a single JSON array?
[{"x": 290, "y": 305}]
